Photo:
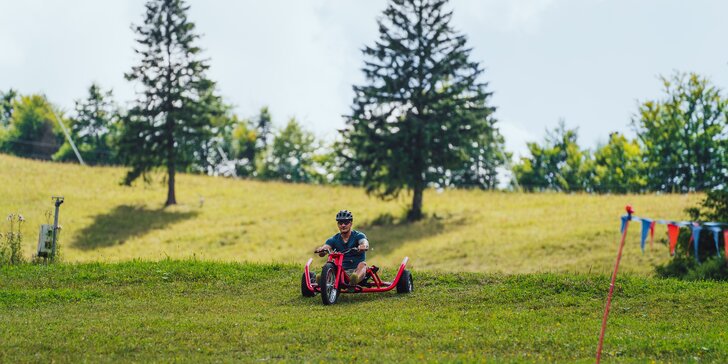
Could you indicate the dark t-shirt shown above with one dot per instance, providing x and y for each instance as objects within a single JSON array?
[{"x": 353, "y": 258}]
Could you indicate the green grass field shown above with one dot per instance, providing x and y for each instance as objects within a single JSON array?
[
  {"x": 195, "y": 311},
  {"x": 236, "y": 220},
  {"x": 504, "y": 277}
]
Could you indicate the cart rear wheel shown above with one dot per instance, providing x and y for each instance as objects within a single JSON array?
[
  {"x": 405, "y": 284},
  {"x": 305, "y": 292},
  {"x": 329, "y": 291}
]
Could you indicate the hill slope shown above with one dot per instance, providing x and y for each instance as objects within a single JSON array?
[
  {"x": 239, "y": 220},
  {"x": 192, "y": 311}
]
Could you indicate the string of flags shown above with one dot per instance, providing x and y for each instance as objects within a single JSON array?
[{"x": 673, "y": 228}]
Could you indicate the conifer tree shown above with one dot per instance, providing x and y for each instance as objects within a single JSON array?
[
  {"x": 423, "y": 105},
  {"x": 172, "y": 117}
]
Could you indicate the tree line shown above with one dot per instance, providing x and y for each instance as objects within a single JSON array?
[
  {"x": 681, "y": 146},
  {"x": 421, "y": 119}
]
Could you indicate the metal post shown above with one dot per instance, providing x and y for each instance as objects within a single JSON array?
[{"x": 59, "y": 201}]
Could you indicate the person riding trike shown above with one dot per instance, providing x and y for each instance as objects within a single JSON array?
[{"x": 346, "y": 270}]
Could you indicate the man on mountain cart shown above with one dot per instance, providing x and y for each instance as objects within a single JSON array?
[{"x": 354, "y": 261}]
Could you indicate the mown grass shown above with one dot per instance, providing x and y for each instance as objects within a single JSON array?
[
  {"x": 195, "y": 311},
  {"x": 239, "y": 220}
]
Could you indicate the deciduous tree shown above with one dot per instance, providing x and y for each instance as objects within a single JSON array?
[{"x": 684, "y": 136}]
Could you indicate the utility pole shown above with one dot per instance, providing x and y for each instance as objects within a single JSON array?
[{"x": 59, "y": 201}]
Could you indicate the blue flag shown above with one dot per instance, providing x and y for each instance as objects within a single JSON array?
[
  {"x": 716, "y": 233},
  {"x": 646, "y": 224},
  {"x": 624, "y": 222},
  {"x": 696, "y": 240}
]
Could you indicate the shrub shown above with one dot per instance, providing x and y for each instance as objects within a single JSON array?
[
  {"x": 11, "y": 251},
  {"x": 712, "y": 267}
]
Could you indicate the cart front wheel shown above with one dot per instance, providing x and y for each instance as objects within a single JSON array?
[{"x": 329, "y": 291}]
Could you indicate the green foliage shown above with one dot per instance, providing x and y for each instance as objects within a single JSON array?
[
  {"x": 423, "y": 113},
  {"x": 263, "y": 126},
  {"x": 94, "y": 129},
  {"x": 6, "y": 106},
  {"x": 291, "y": 155},
  {"x": 198, "y": 311},
  {"x": 687, "y": 268},
  {"x": 712, "y": 265},
  {"x": 339, "y": 165},
  {"x": 715, "y": 205},
  {"x": 32, "y": 131},
  {"x": 173, "y": 119},
  {"x": 684, "y": 135},
  {"x": 558, "y": 165},
  {"x": 11, "y": 243},
  {"x": 467, "y": 230},
  {"x": 618, "y": 166},
  {"x": 243, "y": 148},
  {"x": 484, "y": 155}
]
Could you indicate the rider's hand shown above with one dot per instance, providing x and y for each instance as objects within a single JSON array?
[
  {"x": 362, "y": 248},
  {"x": 321, "y": 252}
]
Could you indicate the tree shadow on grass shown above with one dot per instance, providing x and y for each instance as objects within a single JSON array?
[
  {"x": 125, "y": 222},
  {"x": 387, "y": 233}
]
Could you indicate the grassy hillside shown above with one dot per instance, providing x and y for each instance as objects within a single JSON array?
[
  {"x": 194, "y": 311},
  {"x": 237, "y": 220}
]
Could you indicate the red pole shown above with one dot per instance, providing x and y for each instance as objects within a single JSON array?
[{"x": 611, "y": 285}]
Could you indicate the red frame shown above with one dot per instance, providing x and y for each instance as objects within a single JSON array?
[{"x": 338, "y": 258}]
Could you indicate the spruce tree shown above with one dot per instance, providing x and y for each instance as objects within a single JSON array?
[
  {"x": 423, "y": 106},
  {"x": 92, "y": 128},
  {"x": 172, "y": 117}
]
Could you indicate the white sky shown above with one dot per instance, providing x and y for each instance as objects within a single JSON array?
[{"x": 586, "y": 61}]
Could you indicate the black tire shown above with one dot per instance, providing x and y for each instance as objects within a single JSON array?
[
  {"x": 305, "y": 292},
  {"x": 329, "y": 293},
  {"x": 405, "y": 284}
]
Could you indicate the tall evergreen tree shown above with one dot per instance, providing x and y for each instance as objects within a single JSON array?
[
  {"x": 422, "y": 107},
  {"x": 173, "y": 115},
  {"x": 92, "y": 128}
]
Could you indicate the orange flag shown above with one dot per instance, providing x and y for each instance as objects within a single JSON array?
[{"x": 672, "y": 233}]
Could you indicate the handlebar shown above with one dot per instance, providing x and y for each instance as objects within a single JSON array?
[{"x": 356, "y": 249}]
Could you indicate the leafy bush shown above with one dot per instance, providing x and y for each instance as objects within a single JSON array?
[{"x": 711, "y": 266}]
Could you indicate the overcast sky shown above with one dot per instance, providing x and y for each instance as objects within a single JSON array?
[{"x": 588, "y": 62}]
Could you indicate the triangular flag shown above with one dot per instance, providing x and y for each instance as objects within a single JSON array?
[
  {"x": 672, "y": 232},
  {"x": 696, "y": 237},
  {"x": 646, "y": 223},
  {"x": 652, "y": 233},
  {"x": 716, "y": 233},
  {"x": 624, "y": 222}
]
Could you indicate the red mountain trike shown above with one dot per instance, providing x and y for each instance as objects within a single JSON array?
[{"x": 334, "y": 280}]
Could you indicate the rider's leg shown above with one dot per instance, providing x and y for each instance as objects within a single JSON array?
[{"x": 361, "y": 271}]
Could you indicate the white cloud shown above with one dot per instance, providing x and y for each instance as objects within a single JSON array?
[{"x": 505, "y": 16}]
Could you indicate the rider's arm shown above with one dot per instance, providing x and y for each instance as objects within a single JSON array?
[
  {"x": 325, "y": 247},
  {"x": 363, "y": 244}
]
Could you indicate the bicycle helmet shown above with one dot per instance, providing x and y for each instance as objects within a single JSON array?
[{"x": 344, "y": 215}]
